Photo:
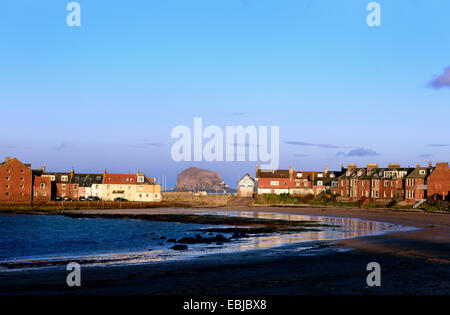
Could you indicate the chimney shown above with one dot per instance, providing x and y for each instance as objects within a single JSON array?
[
  {"x": 256, "y": 171},
  {"x": 418, "y": 165},
  {"x": 104, "y": 173},
  {"x": 325, "y": 172},
  {"x": 393, "y": 165},
  {"x": 72, "y": 172},
  {"x": 371, "y": 166},
  {"x": 7, "y": 159},
  {"x": 290, "y": 172},
  {"x": 430, "y": 165},
  {"x": 351, "y": 166}
]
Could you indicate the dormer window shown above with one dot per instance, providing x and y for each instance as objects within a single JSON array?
[
  {"x": 422, "y": 172},
  {"x": 299, "y": 175},
  {"x": 140, "y": 179},
  {"x": 320, "y": 175},
  {"x": 332, "y": 175},
  {"x": 64, "y": 178}
]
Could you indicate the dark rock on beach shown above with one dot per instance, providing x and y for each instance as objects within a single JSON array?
[{"x": 179, "y": 247}]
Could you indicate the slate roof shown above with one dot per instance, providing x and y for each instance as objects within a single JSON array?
[
  {"x": 58, "y": 176},
  {"x": 416, "y": 173},
  {"x": 87, "y": 180},
  {"x": 273, "y": 174}
]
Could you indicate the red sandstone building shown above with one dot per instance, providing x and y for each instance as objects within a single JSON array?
[
  {"x": 439, "y": 182},
  {"x": 16, "y": 181}
]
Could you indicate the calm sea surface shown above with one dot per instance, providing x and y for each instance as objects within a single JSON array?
[{"x": 38, "y": 241}]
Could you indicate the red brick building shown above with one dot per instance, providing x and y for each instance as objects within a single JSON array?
[
  {"x": 416, "y": 184},
  {"x": 16, "y": 181},
  {"x": 439, "y": 181},
  {"x": 42, "y": 188}
]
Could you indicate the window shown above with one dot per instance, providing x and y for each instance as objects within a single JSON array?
[
  {"x": 320, "y": 175},
  {"x": 44, "y": 194},
  {"x": 422, "y": 172},
  {"x": 7, "y": 186},
  {"x": 386, "y": 183},
  {"x": 274, "y": 183},
  {"x": 42, "y": 185},
  {"x": 7, "y": 193},
  {"x": 35, "y": 193},
  {"x": 8, "y": 178},
  {"x": 22, "y": 171},
  {"x": 21, "y": 186},
  {"x": 64, "y": 178},
  {"x": 140, "y": 195},
  {"x": 319, "y": 183},
  {"x": 147, "y": 195},
  {"x": 8, "y": 171},
  {"x": 63, "y": 186}
]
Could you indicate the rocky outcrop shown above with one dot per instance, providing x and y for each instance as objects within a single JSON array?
[{"x": 196, "y": 179}]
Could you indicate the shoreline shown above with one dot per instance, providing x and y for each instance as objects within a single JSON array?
[{"x": 413, "y": 262}]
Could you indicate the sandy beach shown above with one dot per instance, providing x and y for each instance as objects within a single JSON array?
[{"x": 414, "y": 262}]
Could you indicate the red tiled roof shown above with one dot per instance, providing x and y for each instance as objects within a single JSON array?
[{"x": 117, "y": 179}]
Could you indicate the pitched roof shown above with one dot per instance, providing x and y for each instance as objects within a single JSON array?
[
  {"x": 58, "y": 176},
  {"x": 416, "y": 173},
  {"x": 118, "y": 179},
  {"x": 247, "y": 174},
  {"x": 273, "y": 174},
  {"x": 87, "y": 180}
]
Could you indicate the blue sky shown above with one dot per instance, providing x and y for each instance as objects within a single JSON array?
[{"x": 106, "y": 95}]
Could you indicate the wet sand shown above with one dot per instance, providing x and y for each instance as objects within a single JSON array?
[{"x": 414, "y": 262}]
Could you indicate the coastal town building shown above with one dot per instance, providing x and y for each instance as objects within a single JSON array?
[
  {"x": 19, "y": 183},
  {"x": 439, "y": 182},
  {"x": 416, "y": 184},
  {"x": 42, "y": 188},
  {"x": 246, "y": 186},
  {"x": 132, "y": 187},
  {"x": 16, "y": 181}
]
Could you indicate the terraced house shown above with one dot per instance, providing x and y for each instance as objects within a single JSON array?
[{"x": 132, "y": 187}]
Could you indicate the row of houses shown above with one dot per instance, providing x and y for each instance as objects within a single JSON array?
[
  {"x": 20, "y": 183},
  {"x": 407, "y": 184}
]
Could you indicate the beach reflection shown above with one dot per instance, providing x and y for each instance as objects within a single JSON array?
[
  {"x": 331, "y": 228},
  {"x": 339, "y": 228}
]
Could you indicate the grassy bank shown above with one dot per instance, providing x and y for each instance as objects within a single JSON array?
[{"x": 331, "y": 200}]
